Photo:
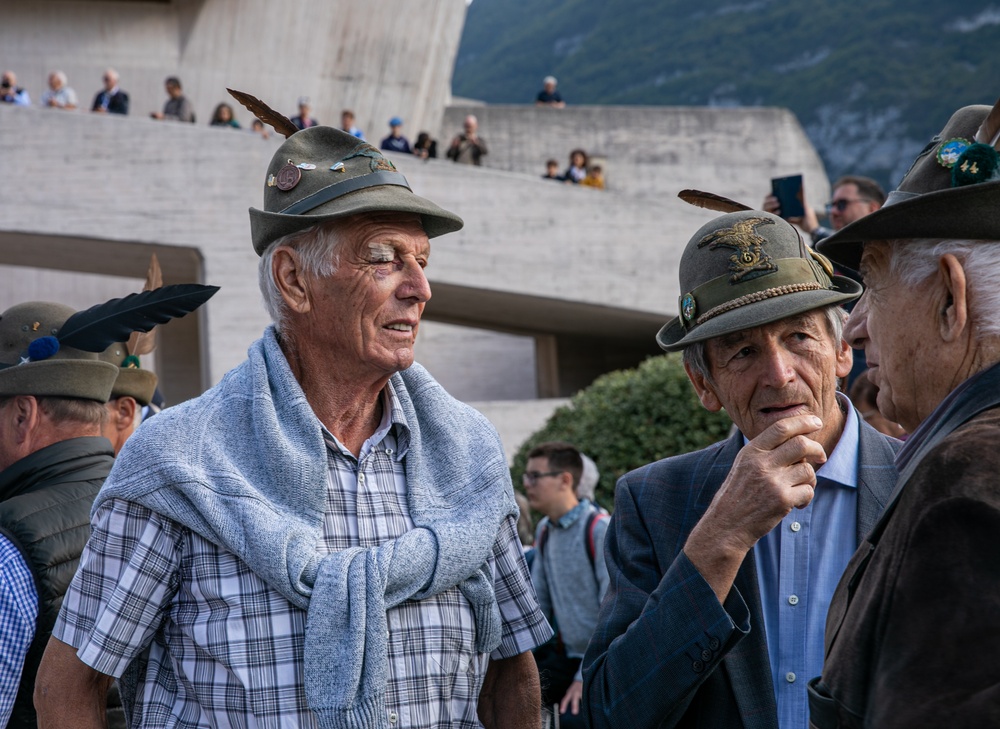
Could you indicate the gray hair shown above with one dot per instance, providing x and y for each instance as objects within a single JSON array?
[
  {"x": 60, "y": 76},
  {"x": 70, "y": 410},
  {"x": 695, "y": 358},
  {"x": 588, "y": 479},
  {"x": 912, "y": 262},
  {"x": 318, "y": 249}
]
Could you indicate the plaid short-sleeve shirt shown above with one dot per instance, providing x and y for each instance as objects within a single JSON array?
[{"x": 224, "y": 649}]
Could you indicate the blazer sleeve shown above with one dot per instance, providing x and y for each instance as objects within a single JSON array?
[{"x": 661, "y": 631}]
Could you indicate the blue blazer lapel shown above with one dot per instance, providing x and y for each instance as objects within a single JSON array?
[{"x": 876, "y": 476}]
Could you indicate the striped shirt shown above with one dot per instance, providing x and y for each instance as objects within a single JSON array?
[
  {"x": 224, "y": 649},
  {"x": 18, "y": 612}
]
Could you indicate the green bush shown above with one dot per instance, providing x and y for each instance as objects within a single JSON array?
[{"x": 629, "y": 418}]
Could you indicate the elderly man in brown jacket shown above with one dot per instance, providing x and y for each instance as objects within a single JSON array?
[{"x": 912, "y": 637}]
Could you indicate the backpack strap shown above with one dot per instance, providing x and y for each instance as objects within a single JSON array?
[
  {"x": 595, "y": 516},
  {"x": 543, "y": 537}
]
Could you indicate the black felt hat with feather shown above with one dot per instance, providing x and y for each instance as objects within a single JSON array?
[{"x": 48, "y": 349}]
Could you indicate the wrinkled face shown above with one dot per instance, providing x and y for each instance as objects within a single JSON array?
[
  {"x": 789, "y": 367},
  {"x": 893, "y": 322},
  {"x": 368, "y": 312},
  {"x": 855, "y": 208}
]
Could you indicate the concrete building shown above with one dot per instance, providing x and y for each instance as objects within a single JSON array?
[{"x": 545, "y": 288}]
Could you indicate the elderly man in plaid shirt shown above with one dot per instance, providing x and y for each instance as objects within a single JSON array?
[{"x": 326, "y": 538}]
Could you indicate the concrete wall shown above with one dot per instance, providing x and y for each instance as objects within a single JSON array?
[
  {"x": 651, "y": 153},
  {"x": 380, "y": 58}
]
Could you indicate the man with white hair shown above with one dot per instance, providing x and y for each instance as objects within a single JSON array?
[
  {"x": 722, "y": 562},
  {"x": 911, "y": 637},
  {"x": 59, "y": 95},
  {"x": 548, "y": 96},
  {"x": 111, "y": 99},
  {"x": 468, "y": 147},
  {"x": 326, "y": 538}
]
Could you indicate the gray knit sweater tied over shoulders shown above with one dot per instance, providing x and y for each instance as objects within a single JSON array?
[{"x": 245, "y": 466}]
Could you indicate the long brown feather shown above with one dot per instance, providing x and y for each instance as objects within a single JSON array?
[
  {"x": 989, "y": 130},
  {"x": 145, "y": 342},
  {"x": 281, "y": 123},
  {"x": 711, "y": 201}
]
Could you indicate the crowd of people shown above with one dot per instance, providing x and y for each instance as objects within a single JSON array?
[
  {"x": 327, "y": 538},
  {"x": 112, "y": 99}
]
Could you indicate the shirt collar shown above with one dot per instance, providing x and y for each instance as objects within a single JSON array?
[
  {"x": 567, "y": 519},
  {"x": 842, "y": 465}
]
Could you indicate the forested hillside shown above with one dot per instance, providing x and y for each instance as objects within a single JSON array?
[{"x": 869, "y": 81}]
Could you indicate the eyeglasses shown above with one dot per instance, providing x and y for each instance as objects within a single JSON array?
[
  {"x": 841, "y": 205},
  {"x": 533, "y": 476}
]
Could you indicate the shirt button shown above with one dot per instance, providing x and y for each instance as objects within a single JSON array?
[
  {"x": 795, "y": 526},
  {"x": 793, "y": 599},
  {"x": 790, "y": 677},
  {"x": 392, "y": 717},
  {"x": 361, "y": 478},
  {"x": 388, "y": 451}
]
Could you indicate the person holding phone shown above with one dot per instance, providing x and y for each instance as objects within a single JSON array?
[{"x": 853, "y": 198}]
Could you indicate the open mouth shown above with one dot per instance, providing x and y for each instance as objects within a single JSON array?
[{"x": 400, "y": 327}]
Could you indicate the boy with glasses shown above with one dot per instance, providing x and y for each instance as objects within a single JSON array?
[{"x": 568, "y": 571}]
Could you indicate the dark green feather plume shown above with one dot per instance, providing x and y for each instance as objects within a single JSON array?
[{"x": 97, "y": 328}]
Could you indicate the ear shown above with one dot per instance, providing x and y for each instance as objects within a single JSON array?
[
  {"x": 22, "y": 416},
  {"x": 703, "y": 387},
  {"x": 123, "y": 412},
  {"x": 845, "y": 358},
  {"x": 291, "y": 280},
  {"x": 954, "y": 309}
]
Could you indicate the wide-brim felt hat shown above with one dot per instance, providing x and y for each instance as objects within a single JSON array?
[
  {"x": 951, "y": 191},
  {"x": 321, "y": 174},
  {"x": 746, "y": 269},
  {"x": 39, "y": 371},
  {"x": 132, "y": 381}
]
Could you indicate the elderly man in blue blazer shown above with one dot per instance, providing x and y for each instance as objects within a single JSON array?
[{"x": 723, "y": 562}]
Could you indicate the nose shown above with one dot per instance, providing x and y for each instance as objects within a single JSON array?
[
  {"x": 778, "y": 365},
  {"x": 416, "y": 286},
  {"x": 856, "y": 329}
]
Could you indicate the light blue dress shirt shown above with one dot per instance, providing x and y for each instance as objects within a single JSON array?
[{"x": 799, "y": 564}]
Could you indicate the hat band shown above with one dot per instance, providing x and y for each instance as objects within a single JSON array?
[
  {"x": 338, "y": 189},
  {"x": 715, "y": 297}
]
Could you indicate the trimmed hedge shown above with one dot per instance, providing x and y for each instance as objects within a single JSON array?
[{"x": 628, "y": 418}]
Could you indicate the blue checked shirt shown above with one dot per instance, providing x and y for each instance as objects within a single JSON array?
[
  {"x": 18, "y": 611},
  {"x": 224, "y": 649}
]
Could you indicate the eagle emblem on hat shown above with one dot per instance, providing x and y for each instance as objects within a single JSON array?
[{"x": 750, "y": 261}]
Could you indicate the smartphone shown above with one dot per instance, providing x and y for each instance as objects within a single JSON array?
[{"x": 788, "y": 190}]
